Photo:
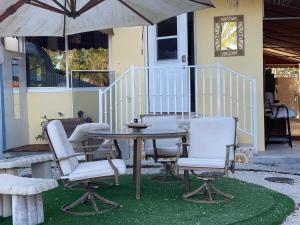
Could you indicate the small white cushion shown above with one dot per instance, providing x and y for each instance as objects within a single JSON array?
[
  {"x": 165, "y": 151},
  {"x": 96, "y": 169},
  {"x": 282, "y": 113},
  {"x": 14, "y": 185},
  {"x": 62, "y": 146},
  {"x": 81, "y": 131},
  {"x": 201, "y": 163}
]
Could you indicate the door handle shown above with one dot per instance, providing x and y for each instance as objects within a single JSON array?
[{"x": 183, "y": 58}]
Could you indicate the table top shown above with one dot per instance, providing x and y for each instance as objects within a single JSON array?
[{"x": 139, "y": 133}]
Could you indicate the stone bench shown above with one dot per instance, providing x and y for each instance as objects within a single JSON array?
[
  {"x": 26, "y": 200},
  {"x": 40, "y": 165}
]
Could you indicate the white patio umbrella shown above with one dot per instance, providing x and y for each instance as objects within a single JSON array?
[{"x": 65, "y": 17}]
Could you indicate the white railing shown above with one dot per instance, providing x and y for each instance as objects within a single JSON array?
[{"x": 200, "y": 90}]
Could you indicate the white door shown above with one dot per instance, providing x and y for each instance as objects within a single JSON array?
[
  {"x": 15, "y": 100},
  {"x": 168, "y": 78}
]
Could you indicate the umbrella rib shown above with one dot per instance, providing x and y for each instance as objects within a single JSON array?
[
  {"x": 40, "y": 4},
  {"x": 11, "y": 10},
  {"x": 64, "y": 8},
  {"x": 203, "y": 3},
  {"x": 90, "y": 4},
  {"x": 136, "y": 12}
]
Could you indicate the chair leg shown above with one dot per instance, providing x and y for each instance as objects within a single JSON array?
[
  {"x": 206, "y": 190},
  {"x": 90, "y": 196},
  {"x": 167, "y": 174}
]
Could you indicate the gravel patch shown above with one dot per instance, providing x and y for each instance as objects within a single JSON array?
[{"x": 292, "y": 191}]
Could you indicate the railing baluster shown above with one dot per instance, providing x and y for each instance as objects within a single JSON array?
[
  {"x": 203, "y": 91},
  {"x": 100, "y": 106},
  {"x": 121, "y": 103},
  {"x": 237, "y": 98},
  {"x": 196, "y": 91},
  {"x": 168, "y": 91},
  {"x": 105, "y": 107},
  {"x": 251, "y": 107},
  {"x": 146, "y": 74},
  {"x": 116, "y": 106},
  {"x": 132, "y": 92},
  {"x": 224, "y": 93},
  {"x": 211, "y": 91},
  {"x": 182, "y": 94},
  {"x": 230, "y": 90},
  {"x": 244, "y": 104},
  {"x": 175, "y": 92},
  {"x": 140, "y": 93},
  {"x": 110, "y": 109},
  {"x": 189, "y": 92},
  {"x": 160, "y": 92},
  {"x": 153, "y": 92},
  {"x": 126, "y": 99}
]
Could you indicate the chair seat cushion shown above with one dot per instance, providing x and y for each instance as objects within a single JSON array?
[
  {"x": 96, "y": 169},
  {"x": 163, "y": 151},
  {"x": 201, "y": 163}
]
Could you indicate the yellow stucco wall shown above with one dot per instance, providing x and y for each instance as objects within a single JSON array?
[
  {"x": 50, "y": 103},
  {"x": 252, "y": 63},
  {"x": 127, "y": 48},
  {"x": 88, "y": 102}
]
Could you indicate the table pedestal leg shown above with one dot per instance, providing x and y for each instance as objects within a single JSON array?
[
  {"x": 134, "y": 160},
  {"x": 138, "y": 151},
  {"x": 186, "y": 172}
]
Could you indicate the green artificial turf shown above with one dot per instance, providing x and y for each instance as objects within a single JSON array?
[{"x": 163, "y": 204}]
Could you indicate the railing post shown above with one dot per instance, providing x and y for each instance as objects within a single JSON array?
[
  {"x": 100, "y": 106},
  {"x": 255, "y": 122},
  {"x": 132, "y": 73},
  {"x": 218, "y": 71}
]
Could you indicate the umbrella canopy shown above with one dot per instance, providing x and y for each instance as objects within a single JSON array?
[{"x": 65, "y": 17}]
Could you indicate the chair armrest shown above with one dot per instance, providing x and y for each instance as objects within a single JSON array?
[
  {"x": 181, "y": 144},
  {"x": 232, "y": 145},
  {"x": 68, "y": 157},
  {"x": 87, "y": 147}
]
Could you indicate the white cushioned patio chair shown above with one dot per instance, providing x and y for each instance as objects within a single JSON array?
[
  {"x": 211, "y": 151},
  {"x": 163, "y": 151},
  {"x": 72, "y": 172}
]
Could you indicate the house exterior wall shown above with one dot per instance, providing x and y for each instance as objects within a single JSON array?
[
  {"x": 127, "y": 48},
  {"x": 252, "y": 63},
  {"x": 50, "y": 103}
]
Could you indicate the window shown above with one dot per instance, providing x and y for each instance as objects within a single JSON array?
[{"x": 167, "y": 46}]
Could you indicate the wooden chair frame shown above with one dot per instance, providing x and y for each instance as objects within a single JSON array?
[{"x": 90, "y": 194}]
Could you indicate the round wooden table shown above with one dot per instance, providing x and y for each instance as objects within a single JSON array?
[{"x": 138, "y": 135}]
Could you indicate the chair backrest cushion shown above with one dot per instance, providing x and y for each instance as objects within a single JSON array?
[
  {"x": 61, "y": 146},
  {"x": 209, "y": 137},
  {"x": 80, "y": 133},
  {"x": 161, "y": 122}
]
